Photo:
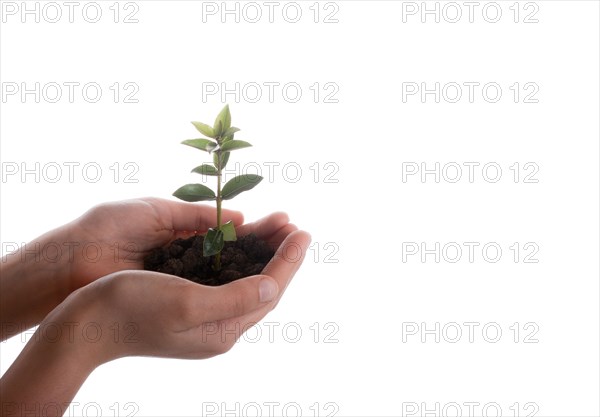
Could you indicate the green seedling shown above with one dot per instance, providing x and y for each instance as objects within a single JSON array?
[{"x": 219, "y": 142}]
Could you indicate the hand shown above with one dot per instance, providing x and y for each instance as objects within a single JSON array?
[
  {"x": 171, "y": 317},
  {"x": 168, "y": 316},
  {"x": 117, "y": 236}
]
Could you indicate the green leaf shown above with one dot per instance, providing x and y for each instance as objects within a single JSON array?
[
  {"x": 224, "y": 159},
  {"x": 213, "y": 242},
  {"x": 205, "y": 129},
  {"x": 232, "y": 145},
  {"x": 239, "y": 184},
  {"x": 195, "y": 192},
  {"x": 205, "y": 169},
  {"x": 228, "y": 230},
  {"x": 218, "y": 128},
  {"x": 206, "y": 145},
  {"x": 225, "y": 118},
  {"x": 231, "y": 131}
]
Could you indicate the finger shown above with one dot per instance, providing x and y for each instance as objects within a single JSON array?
[
  {"x": 236, "y": 299},
  {"x": 288, "y": 258},
  {"x": 279, "y": 236},
  {"x": 273, "y": 242},
  {"x": 282, "y": 268},
  {"x": 266, "y": 226},
  {"x": 190, "y": 217},
  {"x": 237, "y": 217}
]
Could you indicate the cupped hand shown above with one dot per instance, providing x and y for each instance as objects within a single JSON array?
[
  {"x": 143, "y": 313},
  {"x": 117, "y": 236}
]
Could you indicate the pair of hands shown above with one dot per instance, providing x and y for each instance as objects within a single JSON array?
[{"x": 128, "y": 311}]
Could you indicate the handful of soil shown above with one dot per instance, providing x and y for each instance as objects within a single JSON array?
[{"x": 246, "y": 256}]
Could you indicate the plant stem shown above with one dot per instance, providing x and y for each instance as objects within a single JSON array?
[{"x": 219, "y": 200}]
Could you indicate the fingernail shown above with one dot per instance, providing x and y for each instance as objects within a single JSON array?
[{"x": 267, "y": 289}]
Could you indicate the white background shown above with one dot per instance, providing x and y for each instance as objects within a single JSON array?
[{"x": 359, "y": 284}]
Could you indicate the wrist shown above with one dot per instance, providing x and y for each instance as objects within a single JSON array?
[
  {"x": 75, "y": 329},
  {"x": 92, "y": 327},
  {"x": 47, "y": 256},
  {"x": 57, "y": 358}
]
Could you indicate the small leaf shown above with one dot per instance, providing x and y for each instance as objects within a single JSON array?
[
  {"x": 195, "y": 192},
  {"x": 213, "y": 242},
  {"x": 205, "y": 169},
  {"x": 225, "y": 118},
  {"x": 224, "y": 159},
  {"x": 232, "y": 145},
  {"x": 206, "y": 145},
  {"x": 205, "y": 129},
  {"x": 228, "y": 230},
  {"x": 219, "y": 129},
  {"x": 239, "y": 184},
  {"x": 231, "y": 131}
]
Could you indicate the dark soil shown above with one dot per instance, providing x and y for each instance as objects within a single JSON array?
[{"x": 183, "y": 257}]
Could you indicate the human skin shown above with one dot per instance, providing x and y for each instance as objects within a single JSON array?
[{"x": 184, "y": 319}]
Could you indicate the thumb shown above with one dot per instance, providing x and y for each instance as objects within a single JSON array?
[{"x": 237, "y": 298}]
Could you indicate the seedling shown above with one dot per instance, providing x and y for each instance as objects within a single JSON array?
[{"x": 220, "y": 143}]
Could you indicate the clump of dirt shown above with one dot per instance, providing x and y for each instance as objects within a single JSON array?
[{"x": 246, "y": 256}]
